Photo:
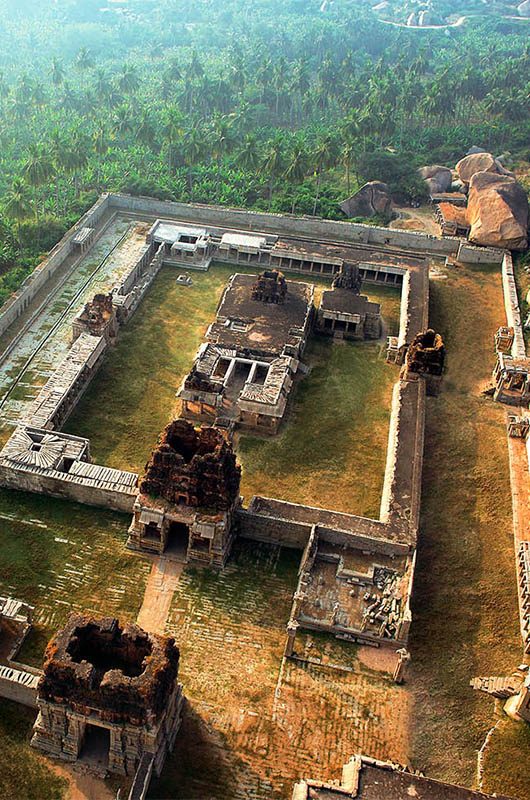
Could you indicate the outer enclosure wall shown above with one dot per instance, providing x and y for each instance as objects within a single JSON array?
[
  {"x": 65, "y": 489},
  {"x": 351, "y": 232},
  {"x": 47, "y": 269}
]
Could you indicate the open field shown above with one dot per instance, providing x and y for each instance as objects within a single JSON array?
[
  {"x": 465, "y": 606},
  {"x": 237, "y": 735},
  {"x": 61, "y": 557},
  {"x": 332, "y": 451}
]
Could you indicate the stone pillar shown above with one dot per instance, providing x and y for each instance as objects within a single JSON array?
[
  {"x": 401, "y": 666},
  {"x": 116, "y": 756},
  {"x": 73, "y": 740},
  {"x": 292, "y": 628}
]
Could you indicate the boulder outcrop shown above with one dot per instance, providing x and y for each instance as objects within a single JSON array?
[
  {"x": 437, "y": 178},
  {"x": 372, "y": 199},
  {"x": 497, "y": 211},
  {"x": 479, "y": 162}
]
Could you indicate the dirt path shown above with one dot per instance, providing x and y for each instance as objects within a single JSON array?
[
  {"x": 159, "y": 592},
  {"x": 82, "y": 785}
]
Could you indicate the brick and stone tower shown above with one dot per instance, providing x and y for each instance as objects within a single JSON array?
[
  {"x": 188, "y": 496},
  {"x": 110, "y": 688}
]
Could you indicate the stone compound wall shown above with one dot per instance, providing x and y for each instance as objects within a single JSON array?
[
  {"x": 273, "y": 530},
  {"x": 350, "y": 232},
  {"x": 313, "y": 227},
  {"x": 65, "y": 487},
  {"x": 19, "y": 686},
  {"x": 19, "y": 301},
  {"x": 511, "y": 305}
]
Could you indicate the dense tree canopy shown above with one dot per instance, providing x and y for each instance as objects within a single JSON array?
[{"x": 281, "y": 104}]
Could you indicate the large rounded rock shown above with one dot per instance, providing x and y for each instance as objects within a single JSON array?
[
  {"x": 438, "y": 179},
  {"x": 479, "y": 162},
  {"x": 524, "y": 9},
  {"x": 372, "y": 199},
  {"x": 497, "y": 211}
]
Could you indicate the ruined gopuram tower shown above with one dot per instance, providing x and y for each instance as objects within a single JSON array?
[
  {"x": 425, "y": 358},
  {"x": 111, "y": 689},
  {"x": 188, "y": 496}
]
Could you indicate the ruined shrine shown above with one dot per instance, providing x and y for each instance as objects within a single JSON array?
[
  {"x": 270, "y": 287},
  {"x": 188, "y": 496},
  {"x": 346, "y": 314},
  {"x": 98, "y": 318},
  {"x": 112, "y": 687},
  {"x": 425, "y": 358},
  {"x": 243, "y": 373}
]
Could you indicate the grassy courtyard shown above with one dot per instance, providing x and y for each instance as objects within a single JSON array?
[
  {"x": 465, "y": 607},
  {"x": 61, "y": 557},
  {"x": 331, "y": 452}
]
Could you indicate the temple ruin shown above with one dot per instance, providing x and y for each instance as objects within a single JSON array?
[
  {"x": 346, "y": 314},
  {"x": 188, "y": 496},
  {"x": 104, "y": 681},
  {"x": 109, "y": 687},
  {"x": 243, "y": 374}
]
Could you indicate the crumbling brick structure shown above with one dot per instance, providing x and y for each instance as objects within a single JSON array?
[
  {"x": 426, "y": 358},
  {"x": 348, "y": 278},
  {"x": 98, "y": 318},
  {"x": 188, "y": 495},
  {"x": 270, "y": 287},
  {"x": 118, "y": 683}
]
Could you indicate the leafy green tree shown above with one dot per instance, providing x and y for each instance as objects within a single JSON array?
[{"x": 17, "y": 203}]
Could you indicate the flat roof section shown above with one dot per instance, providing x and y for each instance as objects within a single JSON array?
[{"x": 267, "y": 326}]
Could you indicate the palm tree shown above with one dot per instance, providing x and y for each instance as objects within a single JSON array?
[
  {"x": 129, "y": 80},
  {"x": 296, "y": 169},
  {"x": 325, "y": 156},
  {"x": 248, "y": 157},
  {"x": 347, "y": 154},
  {"x": 273, "y": 163},
  {"x": 222, "y": 137},
  {"x": 146, "y": 131},
  {"x": 37, "y": 170},
  {"x": 100, "y": 142},
  {"x": 123, "y": 120},
  {"x": 173, "y": 130},
  {"x": 57, "y": 72},
  {"x": 77, "y": 157},
  {"x": 84, "y": 60},
  {"x": 193, "y": 149},
  {"x": 17, "y": 204},
  {"x": 102, "y": 84}
]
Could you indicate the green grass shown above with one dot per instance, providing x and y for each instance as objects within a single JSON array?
[
  {"x": 24, "y": 774},
  {"x": 60, "y": 557},
  {"x": 506, "y": 762},
  {"x": 133, "y": 397},
  {"x": 331, "y": 453},
  {"x": 465, "y": 606}
]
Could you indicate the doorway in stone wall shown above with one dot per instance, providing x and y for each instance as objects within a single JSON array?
[
  {"x": 96, "y": 746},
  {"x": 178, "y": 537}
]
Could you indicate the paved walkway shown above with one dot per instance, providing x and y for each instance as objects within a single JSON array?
[{"x": 161, "y": 585}]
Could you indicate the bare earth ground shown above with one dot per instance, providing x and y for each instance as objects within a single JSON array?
[
  {"x": 465, "y": 607},
  {"x": 254, "y": 725}
]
